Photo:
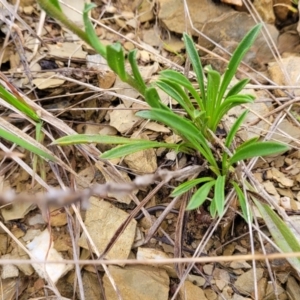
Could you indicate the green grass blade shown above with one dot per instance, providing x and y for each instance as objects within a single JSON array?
[
  {"x": 200, "y": 195},
  {"x": 257, "y": 149},
  {"x": 135, "y": 70},
  {"x": 184, "y": 127},
  {"x": 248, "y": 142},
  {"x": 281, "y": 233},
  {"x": 235, "y": 127},
  {"x": 18, "y": 103},
  {"x": 124, "y": 150},
  {"x": 237, "y": 57},
  {"x": 242, "y": 201},
  {"x": 94, "y": 138},
  {"x": 196, "y": 63},
  {"x": 227, "y": 105},
  {"x": 213, "y": 84},
  {"x": 186, "y": 186},
  {"x": 90, "y": 31},
  {"x": 56, "y": 4},
  {"x": 115, "y": 60},
  {"x": 26, "y": 145},
  {"x": 153, "y": 99},
  {"x": 237, "y": 87},
  {"x": 219, "y": 194},
  {"x": 176, "y": 93},
  {"x": 183, "y": 81}
]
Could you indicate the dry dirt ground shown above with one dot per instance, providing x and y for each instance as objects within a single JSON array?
[{"x": 76, "y": 92}]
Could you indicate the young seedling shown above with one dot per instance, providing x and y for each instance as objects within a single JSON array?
[{"x": 204, "y": 109}]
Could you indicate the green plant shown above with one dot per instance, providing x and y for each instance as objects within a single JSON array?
[{"x": 204, "y": 111}]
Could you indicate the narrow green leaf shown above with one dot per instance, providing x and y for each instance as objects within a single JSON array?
[
  {"x": 237, "y": 87},
  {"x": 186, "y": 186},
  {"x": 219, "y": 194},
  {"x": 115, "y": 60},
  {"x": 182, "y": 80},
  {"x": 196, "y": 63},
  {"x": 257, "y": 149},
  {"x": 213, "y": 208},
  {"x": 153, "y": 99},
  {"x": 237, "y": 57},
  {"x": 56, "y": 4},
  {"x": 135, "y": 70},
  {"x": 124, "y": 150},
  {"x": 248, "y": 142},
  {"x": 200, "y": 195},
  {"x": 90, "y": 31},
  {"x": 184, "y": 127},
  {"x": 227, "y": 105},
  {"x": 18, "y": 103},
  {"x": 176, "y": 93},
  {"x": 281, "y": 233},
  {"x": 94, "y": 138},
  {"x": 213, "y": 84},
  {"x": 242, "y": 201},
  {"x": 235, "y": 127},
  {"x": 26, "y": 145}
]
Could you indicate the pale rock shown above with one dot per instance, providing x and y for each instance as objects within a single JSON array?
[
  {"x": 172, "y": 14},
  {"x": 8, "y": 271},
  {"x": 149, "y": 253},
  {"x": 242, "y": 23},
  {"x": 123, "y": 120},
  {"x": 145, "y": 11},
  {"x": 288, "y": 133},
  {"x": 91, "y": 287},
  {"x": 37, "y": 219},
  {"x": 123, "y": 89},
  {"x": 102, "y": 221},
  {"x": 221, "y": 277},
  {"x": 239, "y": 297},
  {"x": 292, "y": 288},
  {"x": 241, "y": 264},
  {"x": 138, "y": 282},
  {"x": 41, "y": 248},
  {"x": 265, "y": 10},
  {"x": 67, "y": 50},
  {"x": 190, "y": 291},
  {"x": 31, "y": 234},
  {"x": 208, "y": 269},
  {"x": 291, "y": 66},
  {"x": 197, "y": 280},
  {"x": 245, "y": 283}
]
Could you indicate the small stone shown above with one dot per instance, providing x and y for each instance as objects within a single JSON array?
[
  {"x": 239, "y": 265},
  {"x": 245, "y": 283},
  {"x": 190, "y": 291},
  {"x": 208, "y": 269},
  {"x": 292, "y": 288},
  {"x": 37, "y": 219}
]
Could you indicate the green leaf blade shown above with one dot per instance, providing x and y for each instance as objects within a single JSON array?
[
  {"x": 116, "y": 60},
  {"x": 242, "y": 201},
  {"x": 26, "y": 145},
  {"x": 127, "y": 149},
  {"x": 219, "y": 194},
  {"x": 135, "y": 70},
  {"x": 90, "y": 31},
  {"x": 237, "y": 57},
  {"x": 281, "y": 233},
  {"x": 200, "y": 195},
  {"x": 257, "y": 149},
  {"x": 196, "y": 63},
  {"x": 188, "y": 185}
]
